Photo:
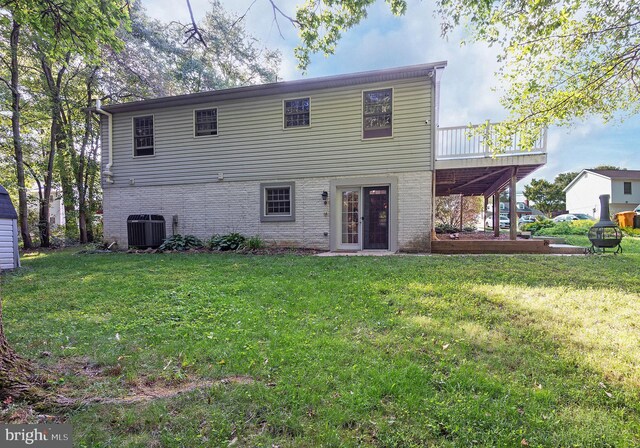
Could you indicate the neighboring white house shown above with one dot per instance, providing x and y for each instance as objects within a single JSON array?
[
  {"x": 57, "y": 215},
  {"x": 345, "y": 162},
  {"x": 582, "y": 194}
]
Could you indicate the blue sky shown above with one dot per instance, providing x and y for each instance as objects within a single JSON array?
[{"x": 468, "y": 86}]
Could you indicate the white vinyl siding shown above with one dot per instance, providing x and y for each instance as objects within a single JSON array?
[
  {"x": 8, "y": 245},
  {"x": 252, "y": 144}
]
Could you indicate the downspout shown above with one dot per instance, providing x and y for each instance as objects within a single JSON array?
[
  {"x": 435, "y": 75},
  {"x": 107, "y": 172}
]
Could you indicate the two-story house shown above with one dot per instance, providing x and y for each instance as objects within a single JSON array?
[
  {"x": 623, "y": 187},
  {"x": 348, "y": 162}
]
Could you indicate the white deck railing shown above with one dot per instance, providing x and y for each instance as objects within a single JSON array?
[{"x": 464, "y": 142}]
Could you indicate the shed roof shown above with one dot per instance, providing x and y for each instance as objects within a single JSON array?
[{"x": 7, "y": 211}]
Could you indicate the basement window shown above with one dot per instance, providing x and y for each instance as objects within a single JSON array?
[
  {"x": 143, "y": 142},
  {"x": 277, "y": 202}
]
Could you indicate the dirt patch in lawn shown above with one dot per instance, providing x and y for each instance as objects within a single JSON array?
[{"x": 141, "y": 389}]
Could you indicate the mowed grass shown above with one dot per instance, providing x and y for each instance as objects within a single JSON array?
[{"x": 346, "y": 351}]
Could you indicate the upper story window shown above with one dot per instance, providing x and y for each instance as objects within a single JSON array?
[
  {"x": 377, "y": 113},
  {"x": 143, "y": 136},
  {"x": 277, "y": 202},
  {"x": 627, "y": 188},
  {"x": 296, "y": 113},
  {"x": 206, "y": 122}
]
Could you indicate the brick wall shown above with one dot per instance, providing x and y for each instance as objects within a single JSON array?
[{"x": 223, "y": 207}]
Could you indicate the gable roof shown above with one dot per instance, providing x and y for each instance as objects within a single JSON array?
[
  {"x": 7, "y": 211},
  {"x": 609, "y": 174},
  {"x": 618, "y": 174},
  {"x": 284, "y": 87}
]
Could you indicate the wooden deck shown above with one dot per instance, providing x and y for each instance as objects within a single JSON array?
[{"x": 502, "y": 247}]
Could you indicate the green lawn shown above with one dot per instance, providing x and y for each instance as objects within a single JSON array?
[{"x": 346, "y": 351}]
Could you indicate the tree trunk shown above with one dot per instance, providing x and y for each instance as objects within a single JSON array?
[
  {"x": 68, "y": 196},
  {"x": 23, "y": 211},
  {"x": 54, "y": 85}
]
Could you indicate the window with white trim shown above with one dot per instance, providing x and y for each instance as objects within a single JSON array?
[
  {"x": 277, "y": 202},
  {"x": 377, "y": 113},
  {"x": 627, "y": 188},
  {"x": 143, "y": 144},
  {"x": 206, "y": 122},
  {"x": 296, "y": 113}
]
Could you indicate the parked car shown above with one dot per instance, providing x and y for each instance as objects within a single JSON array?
[
  {"x": 527, "y": 219},
  {"x": 505, "y": 222},
  {"x": 572, "y": 217},
  {"x": 637, "y": 210}
]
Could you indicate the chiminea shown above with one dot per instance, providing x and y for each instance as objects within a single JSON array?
[{"x": 605, "y": 234}]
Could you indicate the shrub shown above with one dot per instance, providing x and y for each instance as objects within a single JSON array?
[
  {"x": 469, "y": 228},
  {"x": 535, "y": 227},
  {"x": 442, "y": 227},
  {"x": 231, "y": 241},
  {"x": 181, "y": 242},
  {"x": 254, "y": 242},
  {"x": 567, "y": 228},
  {"x": 630, "y": 231}
]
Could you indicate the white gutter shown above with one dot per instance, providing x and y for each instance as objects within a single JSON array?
[{"x": 107, "y": 172}]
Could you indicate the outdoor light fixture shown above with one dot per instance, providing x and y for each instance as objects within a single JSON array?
[{"x": 325, "y": 195}]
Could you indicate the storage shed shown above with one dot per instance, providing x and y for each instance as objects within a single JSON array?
[{"x": 9, "y": 256}]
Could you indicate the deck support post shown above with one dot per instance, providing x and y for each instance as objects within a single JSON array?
[
  {"x": 461, "y": 209},
  {"x": 484, "y": 213},
  {"x": 513, "y": 216},
  {"x": 496, "y": 213}
]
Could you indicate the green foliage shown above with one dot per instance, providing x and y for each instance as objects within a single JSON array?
[
  {"x": 254, "y": 242},
  {"x": 443, "y": 227},
  {"x": 535, "y": 227},
  {"x": 321, "y": 23},
  {"x": 550, "y": 228},
  {"x": 82, "y": 26},
  {"x": 181, "y": 242},
  {"x": 549, "y": 196},
  {"x": 230, "y": 241},
  {"x": 630, "y": 231},
  {"x": 231, "y": 58}
]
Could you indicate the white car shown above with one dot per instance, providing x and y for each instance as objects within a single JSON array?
[
  {"x": 505, "y": 222},
  {"x": 572, "y": 217},
  {"x": 637, "y": 210}
]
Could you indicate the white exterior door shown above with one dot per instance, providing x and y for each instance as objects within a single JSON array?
[{"x": 349, "y": 218}]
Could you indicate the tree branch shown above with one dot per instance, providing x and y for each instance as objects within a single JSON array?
[{"x": 194, "y": 31}]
